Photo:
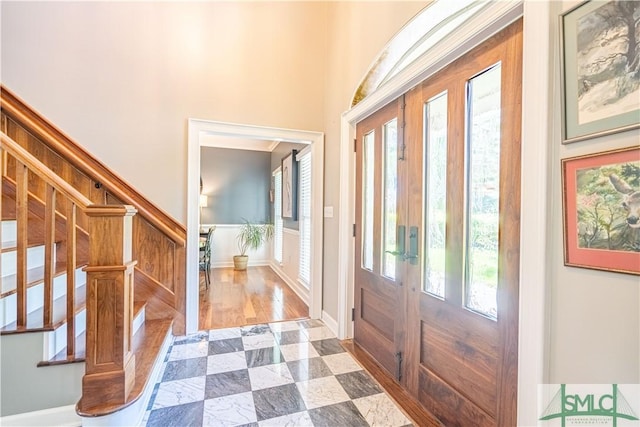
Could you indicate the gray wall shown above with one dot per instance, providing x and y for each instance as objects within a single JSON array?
[
  {"x": 277, "y": 154},
  {"x": 25, "y": 387},
  {"x": 237, "y": 184}
]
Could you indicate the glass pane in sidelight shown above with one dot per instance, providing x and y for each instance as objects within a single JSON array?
[
  {"x": 368, "y": 146},
  {"x": 390, "y": 197},
  {"x": 435, "y": 197},
  {"x": 483, "y": 192}
]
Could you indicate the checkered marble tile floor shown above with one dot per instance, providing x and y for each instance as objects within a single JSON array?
[{"x": 279, "y": 374}]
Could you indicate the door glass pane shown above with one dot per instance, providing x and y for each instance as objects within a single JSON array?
[
  {"x": 483, "y": 185},
  {"x": 367, "y": 202},
  {"x": 435, "y": 197},
  {"x": 390, "y": 197}
]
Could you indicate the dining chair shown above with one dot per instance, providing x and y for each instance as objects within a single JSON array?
[{"x": 205, "y": 257}]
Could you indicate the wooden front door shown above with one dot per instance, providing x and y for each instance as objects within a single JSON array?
[
  {"x": 456, "y": 314},
  {"x": 379, "y": 324}
]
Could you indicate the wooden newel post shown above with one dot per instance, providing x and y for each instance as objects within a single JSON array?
[{"x": 110, "y": 363}]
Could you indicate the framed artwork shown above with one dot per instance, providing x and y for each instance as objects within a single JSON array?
[
  {"x": 600, "y": 69},
  {"x": 290, "y": 186},
  {"x": 602, "y": 210}
]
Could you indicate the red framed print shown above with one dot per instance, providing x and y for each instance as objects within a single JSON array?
[{"x": 602, "y": 210}]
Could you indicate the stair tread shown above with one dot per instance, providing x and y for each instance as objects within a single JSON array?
[
  {"x": 62, "y": 358},
  {"x": 147, "y": 343},
  {"x": 81, "y": 344},
  {"x": 35, "y": 318},
  {"x": 12, "y": 245},
  {"x": 35, "y": 276}
]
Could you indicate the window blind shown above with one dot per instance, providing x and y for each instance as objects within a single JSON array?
[
  {"x": 305, "y": 218},
  {"x": 277, "y": 213}
]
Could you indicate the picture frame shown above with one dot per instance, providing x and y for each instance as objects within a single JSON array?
[
  {"x": 601, "y": 209},
  {"x": 289, "y": 198},
  {"x": 600, "y": 95}
]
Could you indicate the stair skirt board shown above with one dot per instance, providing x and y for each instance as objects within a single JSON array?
[
  {"x": 63, "y": 416},
  {"x": 35, "y": 296},
  {"x": 133, "y": 414}
]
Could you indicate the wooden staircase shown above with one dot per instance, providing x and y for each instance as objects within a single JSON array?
[{"x": 92, "y": 277}]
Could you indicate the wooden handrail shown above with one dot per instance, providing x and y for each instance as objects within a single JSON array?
[
  {"x": 35, "y": 166},
  {"x": 83, "y": 160},
  {"x": 110, "y": 363}
]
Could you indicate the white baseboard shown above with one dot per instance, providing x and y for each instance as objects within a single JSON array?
[
  {"x": 62, "y": 416},
  {"x": 330, "y": 322},
  {"x": 295, "y": 286}
]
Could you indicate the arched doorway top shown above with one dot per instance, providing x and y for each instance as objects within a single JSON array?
[{"x": 428, "y": 28}]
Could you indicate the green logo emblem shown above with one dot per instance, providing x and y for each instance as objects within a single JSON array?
[{"x": 613, "y": 406}]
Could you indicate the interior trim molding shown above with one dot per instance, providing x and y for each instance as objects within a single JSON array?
[{"x": 199, "y": 129}]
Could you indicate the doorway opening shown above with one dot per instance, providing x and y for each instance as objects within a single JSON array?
[{"x": 202, "y": 133}]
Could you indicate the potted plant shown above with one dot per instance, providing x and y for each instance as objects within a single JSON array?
[{"x": 251, "y": 236}]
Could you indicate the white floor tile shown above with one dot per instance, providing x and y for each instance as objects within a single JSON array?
[
  {"x": 341, "y": 363},
  {"x": 270, "y": 376},
  {"x": 284, "y": 326},
  {"x": 320, "y": 333},
  {"x": 172, "y": 393},
  {"x": 223, "y": 334},
  {"x": 299, "y": 351},
  {"x": 380, "y": 411},
  {"x": 254, "y": 342},
  {"x": 227, "y": 362},
  {"x": 233, "y": 410},
  {"x": 321, "y": 392},
  {"x": 188, "y": 351}
]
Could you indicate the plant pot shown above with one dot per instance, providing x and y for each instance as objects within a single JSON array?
[{"x": 240, "y": 262}]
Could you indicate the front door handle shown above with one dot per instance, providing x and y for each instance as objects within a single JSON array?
[
  {"x": 400, "y": 250},
  {"x": 412, "y": 255}
]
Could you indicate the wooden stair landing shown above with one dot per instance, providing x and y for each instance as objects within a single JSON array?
[{"x": 147, "y": 343}]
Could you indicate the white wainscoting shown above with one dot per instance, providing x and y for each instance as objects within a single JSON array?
[
  {"x": 224, "y": 246},
  {"x": 290, "y": 267}
]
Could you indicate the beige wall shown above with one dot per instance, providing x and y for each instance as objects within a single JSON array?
[{"x": 122, "y": 78}]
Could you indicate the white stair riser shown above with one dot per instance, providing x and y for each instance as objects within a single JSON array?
[
  {"x": 138, "y": 321},
  {"x": 56, "y": 340},
  {"x": 35, "y": 297},
  {"x": 8, "y": 307},
  {"x": 9, "y": 231},
  {"x": 35, "y": 258}
]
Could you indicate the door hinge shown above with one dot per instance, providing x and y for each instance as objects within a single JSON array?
[
  {"x": 354, "y": 230},
  {"x": 355, "y": 145},
  {"x": 353, "y": 314},
  {"x": 399, "y": 365}
]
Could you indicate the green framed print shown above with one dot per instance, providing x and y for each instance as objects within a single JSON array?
[{"x": 600, "y": 69}]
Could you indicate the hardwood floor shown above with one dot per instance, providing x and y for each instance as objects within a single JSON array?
[{"x": 238, "y": 298}]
